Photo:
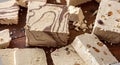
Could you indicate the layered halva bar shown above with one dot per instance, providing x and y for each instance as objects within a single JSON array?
[
  {"x": 6, "y": 56},
  {"x": 107, "y": 23},
  {"x": 4, "y": 38},
  {"x": 8, "y": 12},
  {"x": 47, "y": 24},
  {"x": 30, "y": 56},
  {"x": 93, "y": 51},
  {"x": 24, "y": 3},
  {"x": 66, "y": 56}
]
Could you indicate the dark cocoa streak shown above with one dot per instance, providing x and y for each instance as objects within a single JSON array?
[
  {"x": 61, "y": 16},
  {"x": 30, "y": 15},
  {"x": 60, "y": 37},
  {"x": 32, "y": 10},
  {"x": 43, "y": 16},
  {"x": 35, "y": 37},
  {"x": 52, "y": 35},
  {"x": 49, "y": 27},
  {"x": 54, "y": 23},
  {"x": 56, "y": 37},
  {"x": 66, "y": 17}
]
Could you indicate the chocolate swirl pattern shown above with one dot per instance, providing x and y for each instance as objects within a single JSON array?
[
  {"x": 47, "y": 25},
  {"x": 8, "y": 12}
]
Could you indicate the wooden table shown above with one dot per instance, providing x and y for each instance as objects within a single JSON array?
[{"x": 18, "y": 35}]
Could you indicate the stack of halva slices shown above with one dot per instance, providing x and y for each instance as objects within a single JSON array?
[{"x": 47, "y": 25}]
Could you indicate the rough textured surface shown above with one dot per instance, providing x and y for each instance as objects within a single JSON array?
[
  {"x": 76, "y": 14},
  {"x": 92, "y": 50},
  {"x": 7, "y": 56},
  {"x": 66, "y": 56},
  {"x": 9, "y": 12},
  {"x": 49, "y": 21},
  {"x": 4, "y": 38},
  {"x": 88, "y": 10},
  {"x": 30, "y": 57},
  {"x": 107, "y": 23}
]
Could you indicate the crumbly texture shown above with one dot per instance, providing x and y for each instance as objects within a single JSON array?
[
  {"x": 66, "y": 56},
  {"x": 77, "y": 16},
  {"x": 4, "y": 38},
  {"x": 7, "y": 56},
  {"x": 93, "y": 51},
  {"x": 107, "y": 21},
  {"x": 30, "y": 57}
]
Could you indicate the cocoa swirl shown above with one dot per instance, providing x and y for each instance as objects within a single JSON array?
[
  {"x": 32, "y": 11},
  {"x": 60, "y": 17},
  {"x": 49, "y": 27},
  {"x": 54, "y": 36}
]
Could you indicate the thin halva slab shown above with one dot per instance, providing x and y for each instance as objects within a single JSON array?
[
  {"x": 4, "y": 38},
  {"x": 66, "y": 56},
  {"x": 46, "y": 25},
  {"x": 107, "y": 23},
  {"x": 33, "y": 56},
  {"x": 8, "y": 12},
  {"x": 93, "y": 51}
]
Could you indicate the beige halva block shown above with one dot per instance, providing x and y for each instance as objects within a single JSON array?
[
  {"x": 6, "y": 56},
  {"x": 4, "y": 38},
  {"x": 66, "y": 56},
  {"x": 24, "y": 3},
  {"x": 33, "y": 56},
  {"x": 47, "y": 24},
  {"x": 107, "y": 23},
  {"x": 93, "y": 51},
  {"x": 8, "y": 12}
]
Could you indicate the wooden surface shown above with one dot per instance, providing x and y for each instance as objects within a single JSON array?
[{"x": 18, "y": 35}]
